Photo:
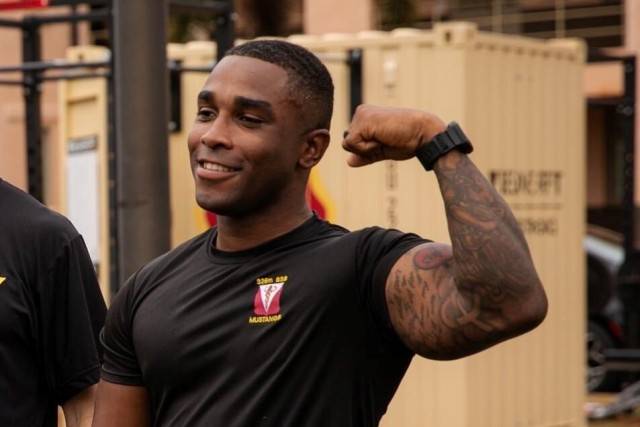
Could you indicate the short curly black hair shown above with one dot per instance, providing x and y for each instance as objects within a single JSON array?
[{"x": 310, "y": 81}]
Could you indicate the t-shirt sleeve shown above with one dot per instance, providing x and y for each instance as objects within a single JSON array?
[
  {"x": 377, "y": 252},
  {"x": 72, "y": 312},
  {"x": 120, "y": 361}
]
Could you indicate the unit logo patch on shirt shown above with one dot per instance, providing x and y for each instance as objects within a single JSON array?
[
  {"x": 2, "y": 279},
  {"x": 266, "y": 303}
]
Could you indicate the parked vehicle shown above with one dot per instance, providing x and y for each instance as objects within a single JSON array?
[{"x": 605, "y": 311}]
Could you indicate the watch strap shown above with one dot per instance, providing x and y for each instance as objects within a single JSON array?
[{"x": 449, "y": 139}]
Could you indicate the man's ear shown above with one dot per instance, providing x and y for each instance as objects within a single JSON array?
[{"x": 314, "y": 146}]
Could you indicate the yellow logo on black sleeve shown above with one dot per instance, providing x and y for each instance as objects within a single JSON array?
[{"x": 2, "y": 279}]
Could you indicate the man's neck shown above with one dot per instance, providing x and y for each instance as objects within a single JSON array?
[{"x": 236, "y": 234}]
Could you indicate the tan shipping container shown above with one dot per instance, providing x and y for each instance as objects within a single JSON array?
[{"x": 520, "y": 101}]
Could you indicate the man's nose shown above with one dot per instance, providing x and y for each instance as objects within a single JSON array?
[{"x": 217, "y": 133}]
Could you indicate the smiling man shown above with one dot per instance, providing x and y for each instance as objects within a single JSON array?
[{"x": 277, "y": 318}]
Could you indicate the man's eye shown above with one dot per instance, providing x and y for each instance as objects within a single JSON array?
[
  {"x": 250, "y": 120},
  {"x": 206, "y": 113}
]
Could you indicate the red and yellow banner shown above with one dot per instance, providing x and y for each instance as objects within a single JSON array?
[{"x": 22, "y": 4}]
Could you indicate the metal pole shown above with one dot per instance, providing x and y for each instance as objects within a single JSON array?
[
  {"x": 628, "y": 114},
  {"x": 225, "y": 31},
  {"x": 32, "y": 94},
  {"x": 74, "y": 26},
  {"x": 629, "y": 272},
  {"x": 114, "y": 268},
  {"x": 141, "y": 125},
  {"x": 355, "y": 79}
]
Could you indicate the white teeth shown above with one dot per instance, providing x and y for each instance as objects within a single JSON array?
[{"x": 216, "y": 167}]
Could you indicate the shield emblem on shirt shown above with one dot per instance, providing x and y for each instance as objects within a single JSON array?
[{"x": 267, "y": 299}]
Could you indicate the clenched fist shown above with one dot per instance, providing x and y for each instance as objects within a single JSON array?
[{"x": 388, "y": 133}]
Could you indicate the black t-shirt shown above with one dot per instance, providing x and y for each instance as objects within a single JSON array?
[
  {"x": 51, "y": 312},
  {"x": 292, "y": 333}
]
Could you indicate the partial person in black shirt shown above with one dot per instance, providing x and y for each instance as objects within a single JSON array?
[
  {"x": 51, "y": 313},
  {"x": 278, "y": 318}
]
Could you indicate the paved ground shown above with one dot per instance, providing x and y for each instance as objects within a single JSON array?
[
  {"x": 622, "y": 421},
  {"x": 627, "y": 419}
]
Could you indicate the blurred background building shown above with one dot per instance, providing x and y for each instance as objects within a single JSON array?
[{"x": 610, "y": 27}]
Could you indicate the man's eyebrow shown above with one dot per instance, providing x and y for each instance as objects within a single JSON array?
[
  {"x": 206, "y": 96},
  {"x": 243, "y": 102},
  {"x": 240, "y": 102}
]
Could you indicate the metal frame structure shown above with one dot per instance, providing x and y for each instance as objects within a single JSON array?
[
  {"x": 223, "y": 32},
  {"x": 625, "y": 107},
  {"x": 36, "y": 72},
  {"x": 628, "y": 278}
]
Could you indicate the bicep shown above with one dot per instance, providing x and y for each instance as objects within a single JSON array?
[
  {"x": 121, "y": 405},
  {"x": 426, "y": 310}
]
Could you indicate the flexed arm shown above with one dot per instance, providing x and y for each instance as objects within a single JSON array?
[{"x": 447, "y": 301}]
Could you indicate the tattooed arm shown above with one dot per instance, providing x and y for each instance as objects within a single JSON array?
[{"x": 447, "y": 301}]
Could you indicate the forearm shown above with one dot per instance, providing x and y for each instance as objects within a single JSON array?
[
  {"x": 122, "y": 406},
  {"x": 492, "y": 266},
  {"x": 78, "y": 411}
]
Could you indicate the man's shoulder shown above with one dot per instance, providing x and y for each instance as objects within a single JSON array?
[
  {"x": 327, "y": 228},
  {"x": 371, "y": 238},
  {"x": 178, "y": 255},
  {"x": 31, "y": 221},
  {"x": 374, "y": 230},
  {"x": 376, "y": 236},
  {"x": 366, "y": 232},
  {"x": 169, "y": 268}
]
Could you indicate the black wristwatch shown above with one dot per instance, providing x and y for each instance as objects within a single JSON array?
[{"x": 450, "y": 139}]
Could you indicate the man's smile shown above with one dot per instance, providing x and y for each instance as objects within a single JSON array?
[{"x": 216, "y": 167}]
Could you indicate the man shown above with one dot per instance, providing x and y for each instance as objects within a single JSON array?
[
  {"x": 51, "y": 313},
  {"x": 277, "y": 318}
]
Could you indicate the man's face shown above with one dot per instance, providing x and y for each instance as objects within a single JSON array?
[{"x": 245, "y": 142}]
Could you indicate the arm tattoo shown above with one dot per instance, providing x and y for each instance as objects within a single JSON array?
[
  {"x": 492, "y": 259},
  {"x": 448, "y": 302}
]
